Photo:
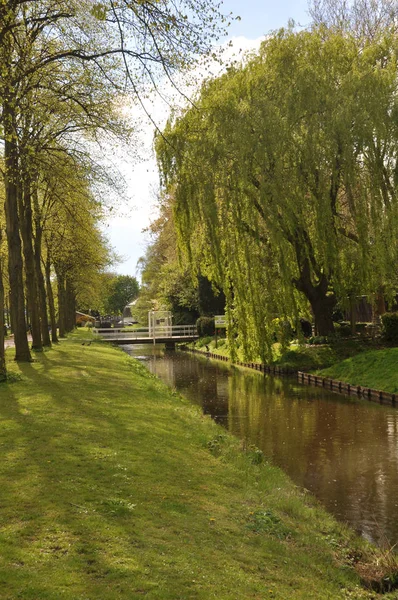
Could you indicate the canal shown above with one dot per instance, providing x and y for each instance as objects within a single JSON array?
[{"x": 344, "y": 450}]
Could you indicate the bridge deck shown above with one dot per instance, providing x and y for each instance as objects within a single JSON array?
[{"x": 176, "y": 334}]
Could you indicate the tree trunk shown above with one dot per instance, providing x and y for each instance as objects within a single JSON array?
[
  {"x": 15, "y": 269},
  {"x": 10, "y": 313},
  {"x": 379, "y": 305},
  {"x": 3, "y": 371},
  {"x": 322, "y": 307},
  {"x": 70, "y": 306},
  {"x": 44, "y": 323},
  {"x": 25, "y": 213},
  {"x": 353, "y": 314},
  {"x": 321, "y": 303},
  {"x": 51, "y": 304},
  {"x": 41, "y": 288},
  {"x": 61, "y": 303}
]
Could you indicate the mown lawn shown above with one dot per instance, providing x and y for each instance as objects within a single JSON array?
[
  {"x": 113, "y": 487},
  {"x": 377, "y": 369}
]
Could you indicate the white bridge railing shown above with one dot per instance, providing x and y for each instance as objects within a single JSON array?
[{"x": 160, "y": 332}]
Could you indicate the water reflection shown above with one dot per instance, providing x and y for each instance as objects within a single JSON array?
[{"x": 343, "y": 450}]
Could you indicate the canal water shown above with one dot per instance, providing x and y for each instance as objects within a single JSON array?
[{"x": 344, "y": 450}]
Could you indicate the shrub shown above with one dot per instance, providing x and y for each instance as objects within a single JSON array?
[
  {"x": 282, "y": 331},
  {"x": 390, "y": 326},
  {"x": 205, "y": 326},
  {"x": 205, "y": 341},
  {"x": 344, "y": 330},
  {"x": 89, "y": 324}
]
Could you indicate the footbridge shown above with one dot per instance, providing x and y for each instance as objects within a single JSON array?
[{"x": 168, "y": 335}]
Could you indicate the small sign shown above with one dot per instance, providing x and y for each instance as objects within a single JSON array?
[{"x": 220, "y": 321}]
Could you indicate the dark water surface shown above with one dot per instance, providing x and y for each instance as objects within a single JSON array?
[{"x": 344, "y": 450}]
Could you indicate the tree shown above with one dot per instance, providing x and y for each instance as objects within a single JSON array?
[
  {"x": 297, "y": 201},
  {"x": 122, "y": 290},
  {"x": 366, "y": 19},
  {"x": 168, "y": 280},
  {"x": 75, "y": 248},
  {"x": 120, "y": 45},
  {"x": 3, "y": 371}
]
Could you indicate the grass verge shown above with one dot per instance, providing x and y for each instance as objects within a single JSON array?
[
  {"x": 114, "y": 487},
  {"x": 377, "y": 369},
  {"x": 301, "y": 358}
]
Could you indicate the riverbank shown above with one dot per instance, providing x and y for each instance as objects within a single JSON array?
[
  {"x": 377, "y": 369},
  {"x": 351, "y": 361},
  {"x": 114, "y": 487}
]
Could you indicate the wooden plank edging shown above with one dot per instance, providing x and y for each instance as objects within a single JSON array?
[
  {"x": 348, "y": 389},
  {"x": 269, "y": 369}
]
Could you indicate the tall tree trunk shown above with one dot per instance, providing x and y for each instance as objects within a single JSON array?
[
  {"x": 10, "y": 313},
  {"x": 51, "y": 304},
  {"x": 44, "y": 323},
  {"x": 70, "y": 306},
  {"x": 25, "y": 212},
  {"x": 61, "y": 302},
  {"x": 3, "y": 370},
  {"x": 15, "y": 268},
  {"x": 41, "y": 288}
]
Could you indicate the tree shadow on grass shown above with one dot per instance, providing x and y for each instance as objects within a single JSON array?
[{"x": 73, "y": 485}]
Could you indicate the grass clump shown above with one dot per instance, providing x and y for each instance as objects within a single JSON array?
[{"x": 114, "y": 487}]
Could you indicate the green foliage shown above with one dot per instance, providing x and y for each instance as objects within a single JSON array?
[
  {"x": 122, "y": 289},
  {"x": 63, "y": 66},
  {"x": 343, "y": 330},
  {"x": 390, "y": 326},
  {"x": 292, "y": 207},
  {"x": 204, "y": 341},
  {"x": 256, "y": 456},
  {"x": 265, "y": 521},
  {"x": 283, "y": 331},
  {"x": 211, "y": 301},
  {"x": 215, "y": 445},
  {"x": 205, "y": 326},
  {"x": 167, "y": 282}
]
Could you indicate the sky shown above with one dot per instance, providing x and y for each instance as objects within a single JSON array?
[{"x": 125, "y": 230}]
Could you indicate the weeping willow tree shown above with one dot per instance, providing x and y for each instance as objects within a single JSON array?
[{"x": 284, "y": 178}]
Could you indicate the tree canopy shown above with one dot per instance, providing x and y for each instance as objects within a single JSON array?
[
  {"x": 284, "y": 176},
  {"x": 120, "y": 290},
  {"x": 65, "y": 68}
]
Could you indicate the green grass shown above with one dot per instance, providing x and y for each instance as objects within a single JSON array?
[
  {"x": 377, "y": 369},
  {"x": 113, "y": 487},
  {"x": 301, "y": 358}
]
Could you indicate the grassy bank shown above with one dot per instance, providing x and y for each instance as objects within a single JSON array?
[
  {"x": 301, "y": 358},
  {"x": 377, "y": 369},
  {"x": 113, "y": 487}
]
